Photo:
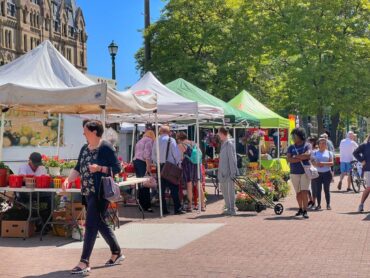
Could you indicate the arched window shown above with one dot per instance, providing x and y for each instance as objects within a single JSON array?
[
  {"x": 6, "y": 39},
  {"x": 31, "y": 18},
  {"x": 10, "y": 39},
  {"x": 25, "y": 43}
]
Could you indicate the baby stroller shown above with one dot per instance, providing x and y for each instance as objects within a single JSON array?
[{"x": 258, "y": 195}]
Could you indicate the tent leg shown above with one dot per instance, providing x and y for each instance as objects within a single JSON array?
[
  {"x": 158, "y": 166},
  {"x": 103, "y": 120},
  {"x": 58, "y": 138},
  {"x": 2, "y": 124},
  {"x": 133, "y": 142},
  {"x": 278, "y": 146},
  {"x": 198, "y": 166}
]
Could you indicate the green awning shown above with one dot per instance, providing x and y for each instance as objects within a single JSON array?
[
  {"x": 269, "y": 119},
  {"x": 189, "y": 91}
]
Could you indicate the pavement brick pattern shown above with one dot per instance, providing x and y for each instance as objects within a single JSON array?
[{"x": 332, "y": 243}]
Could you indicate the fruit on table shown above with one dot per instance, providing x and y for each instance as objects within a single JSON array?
[
  {"x": 26, "y": 131},
  {"x": 24, "y": 141}
]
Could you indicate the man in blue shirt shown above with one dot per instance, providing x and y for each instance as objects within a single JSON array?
[{"x": 174, "y": 156}]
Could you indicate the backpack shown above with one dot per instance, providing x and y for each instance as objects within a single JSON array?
[{"x": 196, "y": 155}]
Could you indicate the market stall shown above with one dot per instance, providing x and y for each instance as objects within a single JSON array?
[{"x": 44, "y": 81}]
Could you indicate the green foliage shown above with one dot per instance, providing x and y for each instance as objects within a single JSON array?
[{"x": 307, "y": 55}]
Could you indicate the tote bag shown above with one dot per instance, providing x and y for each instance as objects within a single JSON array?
[{"x": 171, "y": 172}]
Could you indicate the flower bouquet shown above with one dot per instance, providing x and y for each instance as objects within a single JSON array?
[{"x": 244, "y": 202}]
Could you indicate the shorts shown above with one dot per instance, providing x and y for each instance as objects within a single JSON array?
[
  {"x": 300, "y": 182},
  {"x": 345, "y": 167},
  {"x": 367, "y": 178}
]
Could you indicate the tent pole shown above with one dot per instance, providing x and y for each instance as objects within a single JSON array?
[
  {"x": 234, "y": 134},
  {"x": 58, "y": 138},
  {"x": 198, "y": 165},
  {"x": 158, "y": 166},
  {"x": 278, "y": 146},
  {"x": 103, "y": 120},
  {"x": 2, "y": 124},
  {"x": 213, "y": 148},
  {"x": 133, "y": 142}
]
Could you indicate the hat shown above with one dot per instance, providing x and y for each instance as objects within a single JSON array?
[{"x": 36, "y": 159}]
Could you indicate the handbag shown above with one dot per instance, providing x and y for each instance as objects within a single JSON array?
[
  {"x": 111, "y": 191},
  {"x": 171, "y": 172},
  {"x": 151, "y": 182},
  {"x": 310, "y": 170}
]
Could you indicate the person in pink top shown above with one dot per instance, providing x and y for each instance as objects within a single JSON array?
[{"x": 142, "y": 164}]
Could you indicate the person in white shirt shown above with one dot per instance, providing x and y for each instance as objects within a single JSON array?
[
  {"x": 33, "y": 167},
  {"x": 346, "y": 148}
]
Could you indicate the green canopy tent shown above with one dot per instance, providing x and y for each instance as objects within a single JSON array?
[
  {"x": 269, "y": 119},
  {"x": 248, "y": 104},
  {"x": 189, "y": 91}
]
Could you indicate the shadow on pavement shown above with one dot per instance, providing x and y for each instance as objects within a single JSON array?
[
  {"x": 56, "y": 274},
  {"x": 48, "y": 241},
  {"x": 210, "y": 216},
  {"x": 282, "y": 218},
  {"x": 351, "y": 213},
  {"x": 367, "y": 218}
]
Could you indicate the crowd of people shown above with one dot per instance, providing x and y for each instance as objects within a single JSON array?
[{"x": 307, "y": 152}]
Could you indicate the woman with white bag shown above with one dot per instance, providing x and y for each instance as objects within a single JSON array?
[{"x": 298, "y": 155}]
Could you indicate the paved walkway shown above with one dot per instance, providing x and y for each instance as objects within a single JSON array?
[{"x": 330, "y": 244}]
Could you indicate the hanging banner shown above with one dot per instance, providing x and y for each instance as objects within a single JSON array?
[{"x": 31, "y": 129}]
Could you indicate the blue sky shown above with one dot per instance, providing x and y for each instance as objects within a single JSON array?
[{"x": 121, "y": 21}]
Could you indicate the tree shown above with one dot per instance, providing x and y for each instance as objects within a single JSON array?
[{"x": 300, "y": 56}]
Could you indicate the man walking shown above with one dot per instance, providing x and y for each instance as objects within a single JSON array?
[
  {"x": 346, "y": 149},
  {"x": 174, "y": 157}
]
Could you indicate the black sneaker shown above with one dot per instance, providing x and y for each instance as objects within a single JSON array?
[
  {"x": 179, "y": 212},
  {"x": 349, "y": 189},
  {"x": 305, "y": 215},
  {"x": 318, "y": 208},
  {"x": 328, "y": 207},
  {"x": 310, "y": 204},
  {"x": 300, "y": 212}
]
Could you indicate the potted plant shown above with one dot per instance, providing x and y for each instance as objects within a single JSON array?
[
  {"x": 67, "y": 167},
  {"x": 53, "y": 165},
  {"x": 244, "y": 202},
  {"x": 4, "y": 170}
]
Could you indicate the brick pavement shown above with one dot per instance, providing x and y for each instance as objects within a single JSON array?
[{"x": 330, "y": 244}]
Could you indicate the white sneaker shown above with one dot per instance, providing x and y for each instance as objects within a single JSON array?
[
  {"x": 361, "y": 208},
  {"x": 233, "y": 213}
]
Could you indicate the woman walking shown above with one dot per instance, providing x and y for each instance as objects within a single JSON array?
[
  {"x": 142, "y": 164},
  {"x": 323, "y": 160},
  {"x": 362, "y": 154},
  {"x": 189, "y": 170},
  {"x": 298, "y": 155},
  {"x": 227, "y": 170},
  {"x": 97, "y": 159}
]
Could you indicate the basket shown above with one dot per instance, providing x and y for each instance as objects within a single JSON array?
[
  {"x": 43, "y": 181},
  {"x": 15, "y": 181},
  {"x": 57, "y": 182},
  {"x": 30, "y": 182}
]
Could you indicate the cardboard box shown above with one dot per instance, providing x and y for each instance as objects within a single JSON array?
[{"x": 17, "y": 229}]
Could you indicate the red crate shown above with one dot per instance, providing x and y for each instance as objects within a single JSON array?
[
  {"x": 43, "y": 181},
  {"x": 15, "y": 181}
]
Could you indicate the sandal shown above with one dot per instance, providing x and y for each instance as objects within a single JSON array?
[
  {"x": 118, "y": 260},
  {"x": 203, "y": 209},
  {"x": 79, "y": 270}
]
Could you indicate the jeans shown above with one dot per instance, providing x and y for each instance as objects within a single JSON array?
[
  {"x": 144, "y": 193},
  {"x": 228, "y": 190},
  {"x": 324, "y": 179},
  {"x": 95, "y": 221},
  {"x": 174, "y": 194}
]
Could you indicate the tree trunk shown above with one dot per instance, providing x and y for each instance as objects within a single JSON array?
[{"x": 334, "y": 128}]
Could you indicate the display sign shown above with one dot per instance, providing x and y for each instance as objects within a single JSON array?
[{"x": 31, "y": 129}]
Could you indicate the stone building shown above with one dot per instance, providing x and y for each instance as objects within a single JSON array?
[{"x": 24, "y": 24}]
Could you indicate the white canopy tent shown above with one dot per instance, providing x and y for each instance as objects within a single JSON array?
[
  {"x": 44, "y": 81},
  {"x": 170, "y": 107}
]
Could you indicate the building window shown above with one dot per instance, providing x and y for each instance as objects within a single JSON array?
[
  {"x": 38, "y": 21},
  {"x": 11, "y": 8},
  {"x": 37, "y": 2},
  {"x": 10, "y": 39},
  {"x": 82, "y": 58},
  {"x": 47, "y": 24},
  {"x": 25, "y": 42},
  {"x": 25, "y": 16},
  {"x": 31, "y": 43},
  {"x": 56, "y": 26},
  {"x": 69, "y": 54},
  {"x": 31, "y": 19},
  {"x": 71, "y": 31},
  {"x": 2, "y": 8}
]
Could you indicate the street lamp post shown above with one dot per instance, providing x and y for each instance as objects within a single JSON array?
[{"x": 113, "y": 49}]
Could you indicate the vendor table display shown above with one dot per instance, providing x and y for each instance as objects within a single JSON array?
[
  {"x": 275, "y": 164},
  {"x": 54, "y": 191}
]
